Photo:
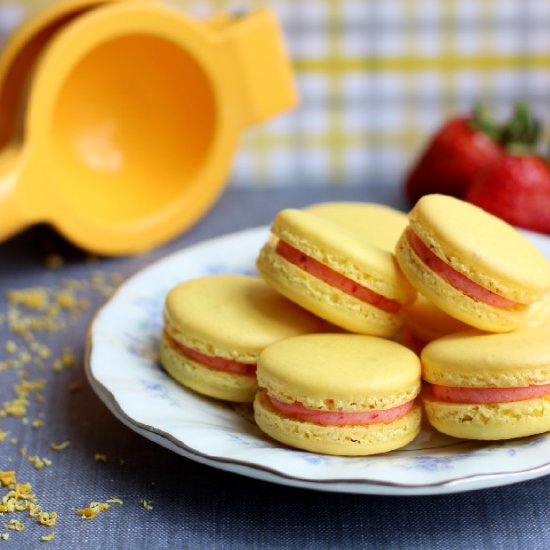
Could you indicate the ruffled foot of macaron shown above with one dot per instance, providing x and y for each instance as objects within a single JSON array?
[
  {"x": 339, "y": 394},
  {"x": 472, "y": 265},
  {"x": 327, "y": 270},
  {"x": 215, "y": 328},
  {"x": 489, "y": 386}
]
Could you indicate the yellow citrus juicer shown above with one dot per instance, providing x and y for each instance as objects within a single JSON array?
[
  {"x": 21, "y": 52},
  {"x": 123, "y": 117}
]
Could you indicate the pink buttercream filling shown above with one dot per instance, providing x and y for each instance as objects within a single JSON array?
[
  {"x": 335, "y": 279},
  {"x": 218, "y": 363},
  {"x": 488, "y": 395},
  {"x": 454, "y": 278},
  {"x": 329, "y": 418}
]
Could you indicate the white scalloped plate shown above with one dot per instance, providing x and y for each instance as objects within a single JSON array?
[{"x": 122, "y": 368}]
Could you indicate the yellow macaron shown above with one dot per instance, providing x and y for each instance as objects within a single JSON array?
[
  {"x": 425, "y": 322},
  {"x": 377, "y": 224},
  {"x": 341, "y": 394},
  {"x": 472, "y": 265},
  {"x": 539, "y": 313},
  {"x": 215, "y": 328},
  {"x": 489, "y": 386},
  {"x": 329, "y": 271}
]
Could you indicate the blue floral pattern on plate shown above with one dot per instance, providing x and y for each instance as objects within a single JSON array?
[{"x": 126, "y": 332}]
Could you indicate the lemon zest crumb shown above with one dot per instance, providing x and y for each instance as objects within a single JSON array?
[
  {"x": 48, "y": 538},
  {"x": 11, "y": 346},
  {"x": 66, "y": 299},
  {"x": 31, "y": 298},
  {"x": 54, "y": 261},
  {"x": 93, "y": 510},
  {"x": 38, "y": 462},
  {"x": 47, "y": 519},
  {"x": 7, "y": 478},
  {"x": 14, "y": 525},
  {"x": 146, "y": 504},
  {"x": 34, "y": 510},
  {"x": 59, "y": 446}
]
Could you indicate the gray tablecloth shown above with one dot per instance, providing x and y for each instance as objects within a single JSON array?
[{"x": 195, "y": 506}]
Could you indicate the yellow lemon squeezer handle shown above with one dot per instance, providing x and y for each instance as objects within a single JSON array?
[
  {"x": 251, "y": 80},
  {"x": 259, "y": 64}
]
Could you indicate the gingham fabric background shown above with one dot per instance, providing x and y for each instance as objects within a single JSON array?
[{"x": 377, "y": 76}]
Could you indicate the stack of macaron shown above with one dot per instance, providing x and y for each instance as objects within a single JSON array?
[
  {"x": 494, "y": 382},
  {"x": 327, "y": 343}
]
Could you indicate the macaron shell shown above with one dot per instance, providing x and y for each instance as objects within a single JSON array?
[
  {"x": 539, "y": 313},
  {"x": 476, "y": 359},
  {"x": 204, "y": 380},
  {"x": 340, "y": 372},
  {"x": 489, "y": 422},
  {"x": 451, "y": 300},
  {"x": 324, "y": 300},
  {"x": 375, "y": 223},
  {"x": 427, "y": 322},
  {"x": 233, "y": 316},
  {"x": 352, "y": 440},
  {"x": 481, "y": 246},
  {"x": 341, "y": 250}
]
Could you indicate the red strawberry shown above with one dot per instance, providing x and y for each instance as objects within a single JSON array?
[
  {"x": 517, "y": 189},
  {"x": 457, "y": 152},
  {"x": 517, "y": 186}
]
